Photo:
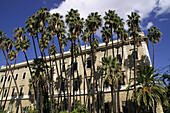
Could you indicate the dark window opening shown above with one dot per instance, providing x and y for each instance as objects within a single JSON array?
[
  {"x": 16, "y": 76},
  {"x": 119, "y": 58},
  {"x": 106, "y": 83},
  {"x": 75, "y": 85},
  {"x": 9, "y": 78},
  {"x": 13, "y": 91},
  {"x": 21, "y": 94},
  {"x": 62, "y": 86},
  {"x": 75, "y": 66},
  {"x": 88, "y": 63},
  {"x": 24, "y": 76},
  {"x": 29, "y": 92},
  {"x": 2, "y": 79},
  {"x": 125, "y": 110},
  {"x": 63, "y": 68},
  {"x": 107, "y": 108},
  {"x": 136, "y": 55}
]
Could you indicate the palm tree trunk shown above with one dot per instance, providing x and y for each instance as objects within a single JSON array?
[
  {"x": 153, "y": 54},
  {"x": 118, "y": 102},
  {"x": 134, "y": 49},
  {"x": 34, "y": 47},
  {"x": 84, "y": 67},
  {"x": 66, "y": 82},
  {"x": 112, "y": 43}
]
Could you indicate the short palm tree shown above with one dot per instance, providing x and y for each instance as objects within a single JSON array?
[
  {"x": 114, "y": 74},
  {"x": 154, "y": 35},
  {"x": 149, "y": 91}
]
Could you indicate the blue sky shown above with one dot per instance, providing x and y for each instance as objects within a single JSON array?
[{"x": 14, "y": 13}]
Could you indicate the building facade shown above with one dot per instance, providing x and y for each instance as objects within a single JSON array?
[{"x": 22, "y": 75}]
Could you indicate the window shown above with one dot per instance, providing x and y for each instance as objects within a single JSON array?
[
  {"x": 24, "y": 75},
  {"x": 89, "y": 63},
  {"x": 75, "y": 85},
  {"x": 29, "y": 92},
  {"x": 75, "y": 66},
  {"x": 136, "y": 55},
  {"x": 62, "y": 86},
  {"x": 16, "y": 76},
  {"x": 63, "y": 68},
  {"x": 13, "y": 91},
  {"x": 5, "y": 92},
  {"x": 9, "y": 78},
  {"x": 119, "y": 58},
  {"x": 2, "y": 79},
  {"x": 21, "y": 94}
]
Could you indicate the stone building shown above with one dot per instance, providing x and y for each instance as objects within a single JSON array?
[{"x": 22, "y": 75}]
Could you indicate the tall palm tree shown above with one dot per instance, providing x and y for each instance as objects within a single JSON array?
[
  {"x": 150, "y": 91},
  {"x": 134, "y": 29},
  {"x": 106, "y": 35},
  {"x": 2, "y": 38},
  {"x": 71, "y": 19},
  {"x": 154, "y": 36},
  {"x": 93, "y": 22}
]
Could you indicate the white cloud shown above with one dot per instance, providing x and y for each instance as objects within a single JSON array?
[
  {"x": 163, "y": 6},
  {"x": 122, "y": 7},
  {"x": 163, "y": 19},
  {"x": 150, "y": 24}
]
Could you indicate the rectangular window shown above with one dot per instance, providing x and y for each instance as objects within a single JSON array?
[
  {"x": 21, "y": 94},
  {"x": 75, "y": 85},
  {"x": 119, "y": 58},
  {"x": 2, "y": 79},
  {"x": 89, "y": 63},
  {"x": 24, "y": 75},
  {"x": 63, "y": 68},
  {"x": 62, "y": 86},
  {"x": 16, "y": 76},
  {"x": 75, "y": 66},
  {"x": 9, "y": 78},
  {"x": 13, "y": 91}
]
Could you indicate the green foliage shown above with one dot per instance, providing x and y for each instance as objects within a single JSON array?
[
  {"x": 78, "y": 108},
  {"x": 63, "y": 112},
  {"x": 2, "y": 111},
  {"x": 149, "y": 90},
  {"x": 32, "y": 111}
]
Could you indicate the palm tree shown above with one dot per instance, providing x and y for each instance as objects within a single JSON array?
[
  {"x": 114, "y": 74},
  {"x": 111, "y": 21},
  {"x": 150, "y": 91},
  {"x": 32, "y": 29},
  {"x": 154, "y": 36},
  {"x": 134, "y": 29},
  {"x": 71, "y": 19},
  {"x": 93, "y": 22}
]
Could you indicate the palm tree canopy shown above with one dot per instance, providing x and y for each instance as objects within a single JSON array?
[
  {"x": 154, "y": 34},
  {"x": 113, "y": 68},
  {"x": 149, "y": 89},
  {"x": 93, "y": 22}
]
